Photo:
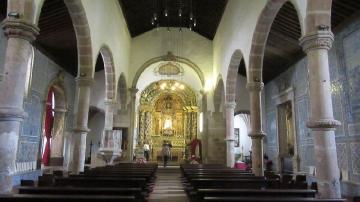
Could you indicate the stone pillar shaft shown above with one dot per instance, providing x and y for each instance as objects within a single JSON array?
[
  {"x": 81, "y": 123},
  {"x": 256, "y": 133},
  {"x": 230, "y": 153},
  {"x": 133, "y": 92},
  {"x": 322, "y": 122},
  {"x": 19, "y": 52}
]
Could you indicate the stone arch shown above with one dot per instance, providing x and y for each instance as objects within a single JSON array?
[
  {"x": 83, "y": 36},
  {"x": 109, "y": 70},
  {"x": 219, "y": 95},
  {"x": 259, "y": 38},
  {"x": 318, "y": 13},
  {"x": 168, "y": 57},
  {"x": 122, "y": 91},
  {"x": 232, "y": 74}
]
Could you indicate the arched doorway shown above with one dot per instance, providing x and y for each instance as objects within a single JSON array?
[
  {"x": 168, "y": 112},
  {"x": 54, "y": 124}
]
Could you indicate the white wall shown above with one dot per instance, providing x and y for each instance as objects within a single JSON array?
[
  {"x": 96, "y": 126},
  {"x": 242, "y": 94},
  {"x": 97, "y": 96},
  {"x": 158, "y": 42},
  {"x": 245, "y": 140}
]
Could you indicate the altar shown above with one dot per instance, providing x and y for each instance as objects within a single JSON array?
[{"x": 167, "y": 117}]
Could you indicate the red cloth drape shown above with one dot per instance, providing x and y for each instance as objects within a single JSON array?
[{"x": 49, "y": 119}]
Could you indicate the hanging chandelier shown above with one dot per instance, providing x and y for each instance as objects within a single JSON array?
[{"x": 184, "y": 12}]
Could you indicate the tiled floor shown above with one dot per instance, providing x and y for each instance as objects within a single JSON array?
[{"x": 168, "y": 186}]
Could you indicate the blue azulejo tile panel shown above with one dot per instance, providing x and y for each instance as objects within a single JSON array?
[
  {"x": 302, "y": 117},
  {"x": 351, "y": 45},
  {"x": 27, "y": 151},
  {"x": 271, "y": 129}
]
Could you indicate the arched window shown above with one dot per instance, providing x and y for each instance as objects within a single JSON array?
[{"x": 48, "y": 126}]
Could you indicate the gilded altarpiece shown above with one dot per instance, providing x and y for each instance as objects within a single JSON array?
[{"x": 167, "y": 116}]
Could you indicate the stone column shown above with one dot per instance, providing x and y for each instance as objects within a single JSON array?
[
  {"x": 322, "y": 122},
  {"x": 12, "y": 89},
  {"x": 57, "y": 142},
  {"x": 132, "y": 131},
  {"x": 230, "y": 153},
  {"x": 82, "y": 102},
  {"x": 256, "y": 134}
]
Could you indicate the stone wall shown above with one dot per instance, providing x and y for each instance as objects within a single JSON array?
[{"x": 344, "y": 64}]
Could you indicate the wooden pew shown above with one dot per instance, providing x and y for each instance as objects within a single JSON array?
[
  {"x": 65, "y": 198},
  {"x": 137, "y": 192},
  {"x": 200, "y": 194},
  {"x": 270, "y": 199}
]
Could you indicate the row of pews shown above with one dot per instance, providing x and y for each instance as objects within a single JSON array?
[
  {"x": 217, "y": 183},
  {"x": 122, "y": 182}
]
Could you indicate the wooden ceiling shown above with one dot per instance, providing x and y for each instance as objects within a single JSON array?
[
  {"x": 57, "y": 37},
  {"x": 282, "y": 47},
  {"x": 208, "y": 14},
  {"x": 58, "y": 41}
]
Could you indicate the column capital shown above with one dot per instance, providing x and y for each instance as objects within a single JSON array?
[
  {"x": 84, "y": 81},
  {"x": 11, "y": 113},
  {"x": 229, "y": 139},
  {"x": 255, "y": 86},
  {"x": 321, "y": 39},
  {"x": 133, "y": 91},
  {"x": 81, "y": 130},
  {"x": 60, "y": 109},
  {"x": 323, "y": 124},
  {"x": 230, "y": 105},
  {"x": 17, "y": 28},
  {"x": 109, "y": 102},
  {"x": 257, "y": 135}
]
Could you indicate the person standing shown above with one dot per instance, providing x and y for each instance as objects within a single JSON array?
[
  {"x": 166, "y": 153},
  {"x": 147, "y": 151}
]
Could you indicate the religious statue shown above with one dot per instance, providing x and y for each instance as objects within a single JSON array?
[{"x": 195, "y": 149}]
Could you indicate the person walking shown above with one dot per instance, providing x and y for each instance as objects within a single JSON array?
[{"x": 166, "y": 151}]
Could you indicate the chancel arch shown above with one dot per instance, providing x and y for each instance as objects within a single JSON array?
[{"x": 168, "y": 112}]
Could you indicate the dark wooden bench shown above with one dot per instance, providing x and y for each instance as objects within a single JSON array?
[
  {"x": 137, "y": 192},
  {"x": 208, "y": 183},
  {"x": 65, "y": 198},
  {"x": 200, "y": 194},
  {"x": 100, "y": 182},
  {"x": 270, "y": 199}
]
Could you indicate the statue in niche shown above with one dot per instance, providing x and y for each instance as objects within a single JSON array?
[{"x": 289, "y": 129}]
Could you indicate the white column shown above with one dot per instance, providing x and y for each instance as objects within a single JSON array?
[
  {"x": 12, "y": 89},
  {"x": 82, "y": 102},
  {"x": 132, "y": 131},
  {"x": 322, "y": 122},
  {"x": 109, "y": 114},
  {"x": 230, "y": 150},
  {"x": 256, "y": 134}
]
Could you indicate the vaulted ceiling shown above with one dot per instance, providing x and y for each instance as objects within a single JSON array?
[{"x": 208, "y": 14}]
